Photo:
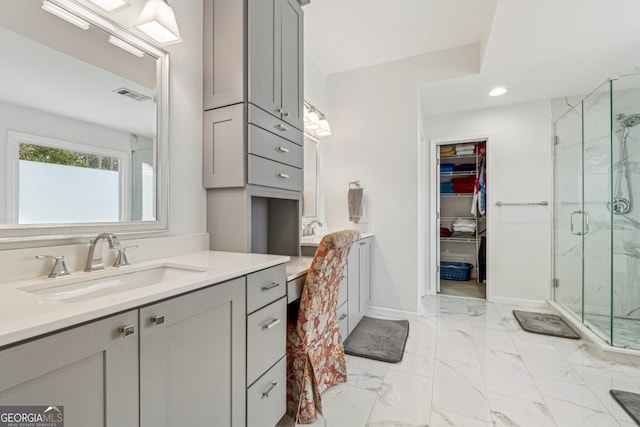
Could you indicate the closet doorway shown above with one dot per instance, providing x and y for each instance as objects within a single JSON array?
[{"x": 460, "y": 217}]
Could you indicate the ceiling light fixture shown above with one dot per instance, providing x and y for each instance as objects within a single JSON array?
[
  {"x": 315, "y": 123},
  {"x": 158, "y": 21},
  {"x": 66, "y": 15},
  {"x": 126, "y": 46},
  {"x": 110, "y": 5},
  {"x": 498, "y": 91}
]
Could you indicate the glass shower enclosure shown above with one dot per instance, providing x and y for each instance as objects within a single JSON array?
[{"x": 597, "y": 211}]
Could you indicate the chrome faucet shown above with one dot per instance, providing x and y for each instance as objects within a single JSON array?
[
  {"x": 310, "y": 228},
  {"x": 94, "y": 261}
]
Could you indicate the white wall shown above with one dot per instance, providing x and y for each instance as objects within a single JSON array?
[
  {"x": 519, "y": 170},
  {"x": 374, "y": 119}
]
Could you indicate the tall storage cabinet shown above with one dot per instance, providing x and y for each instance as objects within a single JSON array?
[{"x": 253, "y": 124}]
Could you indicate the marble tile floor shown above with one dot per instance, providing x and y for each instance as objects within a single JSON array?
[
  {"x": 469, "y": 289},
  {"x": 467, "y": 363}
]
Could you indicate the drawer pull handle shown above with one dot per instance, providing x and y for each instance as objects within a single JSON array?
[
  {"x": 270, "y": 286},
  {"x": 157, "y": 320},
  {"x": 283, "y": 175},
  {"x": 281, "y": 127},
  {"x": 127, "y": 330},
  {"x": 271, "y": 324},
  {"x": 268, "y": 392},
  {"x": 343, "y": 316},
  {"x": 283, "y": 150}
]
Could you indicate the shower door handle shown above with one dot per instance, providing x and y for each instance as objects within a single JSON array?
[
  {"x": 586, "y": 222},
  {"x": 573, "y": 231}
]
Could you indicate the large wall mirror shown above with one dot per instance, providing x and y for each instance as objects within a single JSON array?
[{"x": 83, "y": 124}]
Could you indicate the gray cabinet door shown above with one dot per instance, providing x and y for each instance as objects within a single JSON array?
[
  {"x": 365, "y": 275},
  {"x": 224, "y": 62},
  {"x": 292, "y": 60},
  {"x": 224, "y": 151},
  {"x": 353, "y": 287},
  {"x": 265, "y": 55},
  {"x": 91, "y": 370},
  {"x": 359, "y": 281},
  {"x": 192, "y": 360}
]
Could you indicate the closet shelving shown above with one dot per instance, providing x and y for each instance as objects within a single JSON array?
[{"x": 457, "y": 206}]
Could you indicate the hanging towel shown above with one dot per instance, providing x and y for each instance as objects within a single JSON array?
[{"x": 354, "y": 199}]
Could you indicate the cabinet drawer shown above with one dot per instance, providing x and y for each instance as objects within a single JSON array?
[
  {"x": 343, "y": 317},
  {"x": 273, "y": 174},
  {"x": 266, "y": 144},
  {"x": 266, "y": 338},
  {"x": 294, "y": 288},
  {"x": 274, "y": 125},
  {"x": 267, "y": 398},
  {"x": 265, "y": 286}
]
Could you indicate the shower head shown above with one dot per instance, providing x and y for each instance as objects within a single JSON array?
[{"x": 628, "y": 121}]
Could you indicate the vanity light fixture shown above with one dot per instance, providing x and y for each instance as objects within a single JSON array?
[
  {"x": 498, "y": 91},
  {"x": 110, "y": 5},
  {"x": 66, "y": 15},
  {"x": 315, "y": 123},
  {"x": 126, "y": 46},
  {"x": 158, "y": 21}
]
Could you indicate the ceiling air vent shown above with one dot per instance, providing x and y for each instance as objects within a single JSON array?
[{"x": 131, "y": 94}]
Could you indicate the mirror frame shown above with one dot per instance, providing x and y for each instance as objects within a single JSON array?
[{"x": 40, "y": 232}]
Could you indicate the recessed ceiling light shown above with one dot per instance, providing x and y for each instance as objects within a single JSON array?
[{"x": 498, "y": 91}]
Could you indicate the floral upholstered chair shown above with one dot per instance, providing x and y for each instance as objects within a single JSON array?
[{"x": 315, "y": 356}]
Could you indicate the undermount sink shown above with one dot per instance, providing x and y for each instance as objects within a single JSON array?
[{"x": 108, "y": 283}]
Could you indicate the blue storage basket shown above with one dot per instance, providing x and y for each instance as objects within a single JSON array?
[{"x": 455, "y": 270}]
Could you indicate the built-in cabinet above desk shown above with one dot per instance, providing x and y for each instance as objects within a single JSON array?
[{"x": 253, "y": 124}]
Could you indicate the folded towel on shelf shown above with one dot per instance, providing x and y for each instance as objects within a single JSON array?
[
  {"x": 463, "y": 235},
  {"x": 445, "y": 232},
  {"x": 464, "y": 180},
  {"x": 465, "y": 147},
  {"x": 447, "y": 150},
  {"x": 464, "y": 225},
  {"x": 465, "y": 153},
  {"x": 446, "y": 187},
  {"x": 465, "y": 167},
  {"x": 447, "y": 167},
  {"x": 463, "y": 188}
]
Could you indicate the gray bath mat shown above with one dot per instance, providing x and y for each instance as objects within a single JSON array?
[
  {"x": 378, "y": 339},
  {"x": 545, "y": 324},
  {"x": 630, "y": 402}
]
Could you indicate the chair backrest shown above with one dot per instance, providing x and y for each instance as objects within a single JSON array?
[{"x": 319, "y": 299}]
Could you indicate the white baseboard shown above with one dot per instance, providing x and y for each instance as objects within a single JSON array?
[
  {"x": 521, "y": 302},
  {"x": 391, "y": 312}
]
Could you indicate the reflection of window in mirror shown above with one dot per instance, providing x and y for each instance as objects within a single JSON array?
[
  {"x": 310, "y": 192},
  {"x": 63, "y": 182},
  {"x": 142, "y": 179}
]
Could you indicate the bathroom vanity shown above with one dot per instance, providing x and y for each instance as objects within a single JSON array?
[{"x": 203, "y": 348}]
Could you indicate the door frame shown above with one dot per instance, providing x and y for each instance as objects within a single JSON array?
[{"x": 432, "y": 285}]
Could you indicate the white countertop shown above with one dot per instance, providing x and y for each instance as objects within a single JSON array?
[
  {"x": 24, "y": 315},
  {"x": 298, "y": 266},
  {"x": 315, "y": 240}
]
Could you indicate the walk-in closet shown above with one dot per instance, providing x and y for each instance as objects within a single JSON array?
[{"x": 461, "y": 213}]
